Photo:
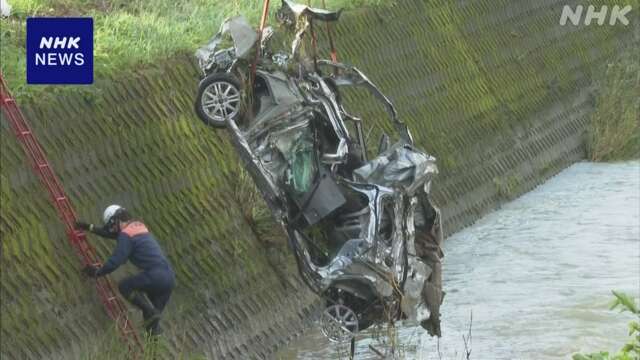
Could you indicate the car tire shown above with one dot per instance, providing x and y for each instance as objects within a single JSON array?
[{"x": 219, "y": 95}]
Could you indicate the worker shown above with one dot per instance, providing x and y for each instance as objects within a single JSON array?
[{"x": 135, "y": 243}]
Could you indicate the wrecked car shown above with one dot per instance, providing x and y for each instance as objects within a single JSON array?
[{"x": 365, "y": 235}]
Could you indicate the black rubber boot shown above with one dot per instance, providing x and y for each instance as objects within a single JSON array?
[
  {"x": 154, "y": 326},
  {"x": 150, "y": 315},
  {"x": 140, "y": 301}
]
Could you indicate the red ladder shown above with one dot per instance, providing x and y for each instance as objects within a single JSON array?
[{"x": 115, "y": 307}]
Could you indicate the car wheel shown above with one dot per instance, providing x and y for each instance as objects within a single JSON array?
[
  {"x": 219, "y": 97},
  {"x": 339, "y": 323}
]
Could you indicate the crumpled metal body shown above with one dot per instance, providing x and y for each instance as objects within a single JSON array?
[
  {"x": 301, "y": 10},
  {"x": 243, "y": 37},
  {"x": 400, "y": 167},
  {"x": 361, "y": 226}
]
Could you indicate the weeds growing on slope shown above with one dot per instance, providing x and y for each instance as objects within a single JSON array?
[
  {"x": 110, "y": 346},
  {"x": 130, "y": 34},
  {"x": 614, "y": 132}
]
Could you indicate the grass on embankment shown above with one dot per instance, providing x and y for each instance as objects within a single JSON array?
[
  {"x": 131, "y": 34},
  {"x": 614, "y": 132}
]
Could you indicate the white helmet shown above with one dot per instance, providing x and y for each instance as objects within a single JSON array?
[{"x": 109, "y": 212}]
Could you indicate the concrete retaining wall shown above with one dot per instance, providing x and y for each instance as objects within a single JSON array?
[{"x": 496, "y": 90}]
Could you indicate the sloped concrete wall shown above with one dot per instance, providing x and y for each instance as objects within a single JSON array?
[{"x": 496, "y": 90}]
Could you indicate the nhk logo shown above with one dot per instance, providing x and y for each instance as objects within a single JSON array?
[
  {"x": 617, "y": 14},
  {"x": 59, "y": 50},
  {"x": 57, "y": 58}
]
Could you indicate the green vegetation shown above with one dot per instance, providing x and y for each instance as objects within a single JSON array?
[
  {"x": 614, "y": 132},
  {"x": 131, "y": 34},
  {"x": 458, "y": 76},
  {"x": 630, "y": 350},
  {"x": 507, "y": 186},
  {"x": 109, "y": 346}
]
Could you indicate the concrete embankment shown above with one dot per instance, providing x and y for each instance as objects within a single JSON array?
[{"x": 498, "y": 91}]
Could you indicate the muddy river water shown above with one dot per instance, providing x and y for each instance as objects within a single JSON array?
[{"x": 536, "y": 276}]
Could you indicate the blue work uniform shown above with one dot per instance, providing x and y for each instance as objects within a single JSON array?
[{"x": 157, "y": 279}]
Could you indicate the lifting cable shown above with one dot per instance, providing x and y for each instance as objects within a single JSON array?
[
  {"x": 334, "y": 52},
  {"x": 263, "y": 21}
]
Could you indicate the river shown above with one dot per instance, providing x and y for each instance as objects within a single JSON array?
[{"x": 536, "y": 275}]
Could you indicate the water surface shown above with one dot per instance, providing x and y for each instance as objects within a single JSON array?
[{"x": 537, "y": 275}]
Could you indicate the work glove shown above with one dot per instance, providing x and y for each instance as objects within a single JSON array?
[
  {"x": 91, "y": 271},
  {"x": 81, "y": 225}
]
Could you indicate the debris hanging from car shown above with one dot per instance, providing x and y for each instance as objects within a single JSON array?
[{"x": 363, "y": 230}]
